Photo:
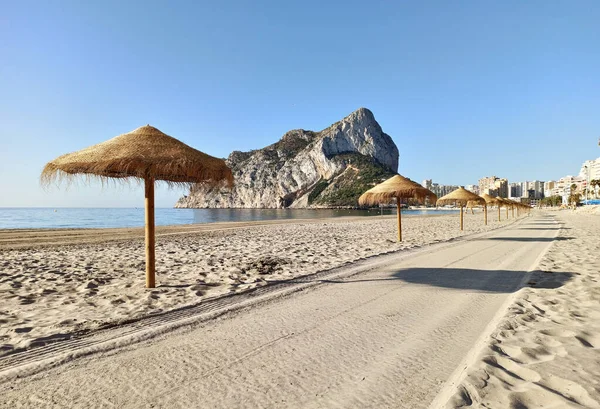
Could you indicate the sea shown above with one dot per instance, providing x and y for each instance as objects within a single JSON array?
[{"x": 55, "y": 218}]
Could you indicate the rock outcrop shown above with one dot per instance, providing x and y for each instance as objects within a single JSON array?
[{"x": 306, "y": 169}]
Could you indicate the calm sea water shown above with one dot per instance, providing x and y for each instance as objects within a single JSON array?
[{"x": 37, "y": 218}]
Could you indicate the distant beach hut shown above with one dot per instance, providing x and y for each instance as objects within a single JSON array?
[
  {"x": 145, "y": 154},
  {"x": 397, "y": 187},
  {"x": 460, "y": 197}
]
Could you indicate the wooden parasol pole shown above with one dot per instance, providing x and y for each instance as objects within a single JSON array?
[
  {"x": 506, "y": 212},
  {"x": 461, "y": 217},
  {"x": 399, "y": 219},
  {"x": 150, "y": 238},
  {"x": 485, "y": 213},
  {"x": 498, "y": 212},
  {"x": 513, "y": 211}
]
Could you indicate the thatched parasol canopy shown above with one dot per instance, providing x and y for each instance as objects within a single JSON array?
[
  {"x": 461, "y": 197},
  {"x": 489, "y": 200},
  {"x": 397, "y": 187},
  {"x": 144, "y": 154}
]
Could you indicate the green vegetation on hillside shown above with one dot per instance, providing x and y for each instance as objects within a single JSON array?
[
  {"x": 361, "y": 174},
  {"x": 319, "y": 187},
  {"x": 293, "y": 142}
]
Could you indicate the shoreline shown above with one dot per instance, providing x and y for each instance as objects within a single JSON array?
[
  {"x": 116, "y": 218},
  {"x": 35, "y": 237}
]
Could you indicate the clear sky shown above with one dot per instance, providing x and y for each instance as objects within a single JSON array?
[{"x": 466, "y": 89}]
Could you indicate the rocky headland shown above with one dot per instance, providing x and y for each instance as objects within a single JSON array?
[{"x": 306, "y": 169}]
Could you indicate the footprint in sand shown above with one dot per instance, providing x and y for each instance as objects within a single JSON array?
[
  {"x": 563, "y": 333},
  {"x": 511, "y": 368}
]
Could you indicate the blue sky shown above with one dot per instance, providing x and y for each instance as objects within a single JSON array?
[{"x": 466, "y": 89}]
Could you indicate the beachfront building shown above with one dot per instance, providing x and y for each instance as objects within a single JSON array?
[
  {"x": 473, "y": 188},
  {"x": 515, "y": 190},
  {"x": 551, "y": 188},
  {"x": 569, "y": 184},
  {"x": 502, "y": 186},
  {"x": 529, "y": 190},
  {"x": 535, "y": 189},
  {"x": 438, "y": 189},
  {"x": 590, "y": 169},
  {"x": 486, "y": 184},
  {"x": 494, "y": 186}
]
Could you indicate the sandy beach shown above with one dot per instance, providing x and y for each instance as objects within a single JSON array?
[
  {"x": 52, "y": 290},
  {"x": 545, "y": 351},
  {"x": 384, "y": 331},
  {"x": 500, "y": 318}
]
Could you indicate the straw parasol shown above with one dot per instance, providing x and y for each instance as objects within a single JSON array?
[
  {"x": 491, "y": 201},
  {"x": 506, "y": 204},
  {"x": 145, "y": 154},
  {"x": 460, "y": 197},
  {"x": 397, "y": 187}
]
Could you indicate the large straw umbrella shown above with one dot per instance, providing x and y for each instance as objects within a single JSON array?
[
  {"x": 501, "y": 203},
  {"x": 460, "y": 197},
  {"x": 491, "y": 201},
  {"x": 397, "y": 187},
  {"x": 145, "y": 154},
  {"x": 506, "y": 203}
]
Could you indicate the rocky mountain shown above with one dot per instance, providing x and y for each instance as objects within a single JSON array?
[{"x": 305, "y": 169}]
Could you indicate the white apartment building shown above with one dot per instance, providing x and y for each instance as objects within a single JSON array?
[
  {"x": 590, "y": 170},
  {"x": 551, "y": 188}
]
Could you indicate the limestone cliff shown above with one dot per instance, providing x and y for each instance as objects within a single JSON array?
[{"x": 306, "y": 169}]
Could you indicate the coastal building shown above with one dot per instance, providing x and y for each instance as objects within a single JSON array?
[
  {"x": 501, "y": 185},
  {"x": 515, "y": 190},
  {"x": 590, "y": 170},
  {"x": 491, "y": 192},
  {"x": 569, "y": 184},
  {"x": 438, "y": 189},
  {"x": 528, "y": 190},
  {"x": 551, "y": 188},
  {"x": 494, "y": 186},
  {"x": 473, "y": 188},
  {"x": 487, "y": 183}
]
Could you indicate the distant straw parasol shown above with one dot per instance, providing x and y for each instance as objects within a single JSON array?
[
  {"x": 504, "y": 203},
  {"x": 491, "y": 201},
  {"x": 460, "y": 197},
  {"x": 397, "y": 187},
  {"x": 144, "y": 154}
]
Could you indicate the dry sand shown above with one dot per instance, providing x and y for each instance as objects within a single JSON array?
[
  {"x": 382, "y": 332},
  {"x": 545, "y": 352},
  {"x": 50, "y": 291}
]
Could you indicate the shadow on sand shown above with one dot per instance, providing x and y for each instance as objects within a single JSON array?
[
  {"x": 544, "y": 228},
  {"x": 492, "y": 281},
  {"x": 530, "y": 239}
]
